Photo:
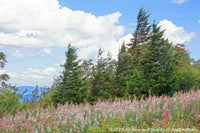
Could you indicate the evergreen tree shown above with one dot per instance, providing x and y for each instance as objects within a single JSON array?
[
  {"x": 3, "y": 77},
  {"x": 87, "y": 68},
  {"x": 159, "y": 65},
  {"x": 135, "y": 86},
  {"x": 35, "y": 95},
  {"x": 71, "y": 88},
  {"x": 140, "y": 37},
  {"x": 103, "y": 79},
  {"x": 124, "y": 71},
  {"x": 136, "y": 50}
]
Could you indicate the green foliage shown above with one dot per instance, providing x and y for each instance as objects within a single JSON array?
[
  {"x": 129, "y": 75},
  {"x": 9, "y": 101},
  {"x": 159, "y": 65},
  {"x": 186, "y": 79},
  {"x": 141, "y": 34},
  {"x": 124, "y": 71},
  {"x": 45, "y": 100},
  {"x": 71, "y": 88},
  {"x": 151, "y": 63},
  {"x": 110, "y": 125},
  {"x": 2, "y": 60},
  {"x": 196, "y": 74},
  {"x": 135, "y": 86},
  {"x": 103, "y": 79}
]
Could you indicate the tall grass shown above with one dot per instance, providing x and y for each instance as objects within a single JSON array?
[{"x": 180, "y": 111}]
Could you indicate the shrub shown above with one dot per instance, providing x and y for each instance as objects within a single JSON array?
[{"x": 9, "y": 102}]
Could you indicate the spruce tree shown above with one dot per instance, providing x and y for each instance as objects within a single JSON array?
[
  {"x": 3, "y": 77},
  {"x": 137, "y": 48},
  {"x": 153, "y": 64},
  {"x": 72, "y": 86},
  {"x": 141, "y": 34},
  {"x": 159, "y": 65},
  {"x": 124, "y": 71},
  {"x": 103, "y": 79}
]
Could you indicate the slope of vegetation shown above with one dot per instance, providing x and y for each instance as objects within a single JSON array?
[
  {"x": 180, "y": 111},
  {"x": 159, "y": 78}
]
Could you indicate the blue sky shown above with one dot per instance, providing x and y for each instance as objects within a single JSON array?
[{"x": 34, "y": 34}]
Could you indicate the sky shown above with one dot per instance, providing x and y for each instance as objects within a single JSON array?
[{"x": 34, "y": 34}]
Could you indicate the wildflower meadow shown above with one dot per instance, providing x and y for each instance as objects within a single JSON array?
[{"x": 182, "y": 111}]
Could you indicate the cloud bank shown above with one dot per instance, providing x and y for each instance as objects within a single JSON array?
[
  {"x": 174, "y": 33},
  {"x": 34, "y": 76},
  {"x": 44, "y": 23}
]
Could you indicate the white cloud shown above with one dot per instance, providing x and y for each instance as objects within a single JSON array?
[
  {"x": 46, "y": 50},
  {"x": 44, "y": 23},
  {"x": 126, "y": 39},
  {"x": 174, "y": 33},
  {"x": 199, "y": 21},
  {"x": 179, "y": 1},
  {"x": 49, "y": 71},
  {"x": 17, "y": 54},
  {"x": 31, "y": 74},
  {"x": 35, "y": 76},
  {"x": 21, "y": 53},
  {"x": 13, "y": 75}
]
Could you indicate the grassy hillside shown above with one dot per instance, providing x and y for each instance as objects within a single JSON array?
[{"x": 178, "y": 113}]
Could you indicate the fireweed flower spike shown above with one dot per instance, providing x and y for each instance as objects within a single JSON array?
[{"x": 80, "y": 118}]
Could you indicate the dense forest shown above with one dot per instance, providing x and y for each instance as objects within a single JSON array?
[{"x": 149, "y": 65}]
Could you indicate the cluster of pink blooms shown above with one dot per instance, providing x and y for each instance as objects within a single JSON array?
[
  {"x": 73, "y": 118},
  {"x": 164, "y": 116}
]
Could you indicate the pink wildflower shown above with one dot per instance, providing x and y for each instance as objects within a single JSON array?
[
  {"x": 194, "y": 107},
  {"x": 163, "y": 116},
  {"x": 135, "y": 126},
  {"x": 154, "y": 119}
]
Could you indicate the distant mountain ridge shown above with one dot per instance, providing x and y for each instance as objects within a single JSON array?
[{"x": 29, "y": 89}]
